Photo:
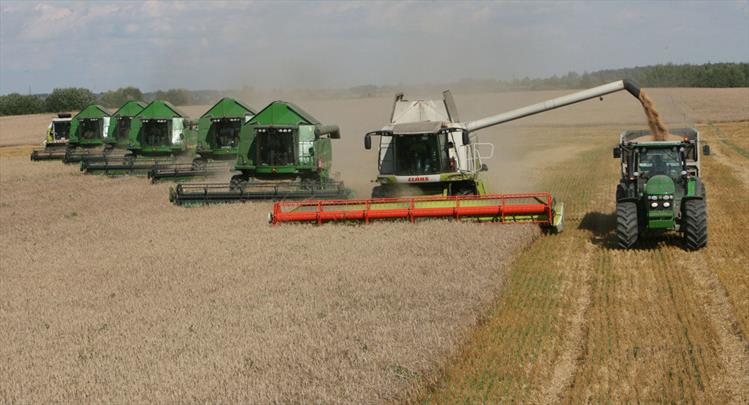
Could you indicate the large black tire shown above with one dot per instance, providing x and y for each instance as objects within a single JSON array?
[
  {"x": 626, "y": 224},
  {"x": 237, "y": 182},
  {"x": 199, "y": 164},
  {"x": 695, "y": 224}
]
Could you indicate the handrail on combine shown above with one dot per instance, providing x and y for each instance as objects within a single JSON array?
[{"x": 535, "y": 208}]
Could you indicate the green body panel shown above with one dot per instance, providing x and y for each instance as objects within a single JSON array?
[
  {"x": 305, "y": 128},
  {"x": 661, "y": 217},
  {"x": 660, "y": 185},
  {"x": 691, "y": 187},
  {"x": 129, "y": 109},
  {"x": 225, "y": 108},
  {"x": 160, "y": 110},
  {"x": 93, "y": 111}
]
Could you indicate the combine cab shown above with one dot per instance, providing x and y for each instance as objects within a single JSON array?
[
  {"x": 217, "y": 142},
  {"x": 157, "y": 136},
  {"x": 120, "y": 124},
  {"x": 284, "y": 153},
  {"x": 56, "y": 141},
  {"x": 660, "y": 187},
  {"x": 88, "y": 129}
]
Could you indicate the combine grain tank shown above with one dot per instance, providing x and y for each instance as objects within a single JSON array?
[
  {"x": 56, "y": 141},
  {"x": 660, "y": 187},
  {"x": 284, "y": 153},
  {"x": 120, "y": 124},
  {"x": 217, "y": 142},
  {"x": 159, "y": 134},
  {"x": 88, "y": 129}
]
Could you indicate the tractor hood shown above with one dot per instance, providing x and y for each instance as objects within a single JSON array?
[{"x": 660, "y": 185}]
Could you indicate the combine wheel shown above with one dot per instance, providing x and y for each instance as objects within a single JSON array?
[
  {"x": 199, "y": 164},
  {"x": 237, "y": 182},
  {"x": 626, "y": 224},
  {"x": 695, "y": 224},
  {"x": 379, "y": 192}
]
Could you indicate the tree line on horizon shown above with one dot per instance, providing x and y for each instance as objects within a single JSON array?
[{"x": 667, "y": 75}]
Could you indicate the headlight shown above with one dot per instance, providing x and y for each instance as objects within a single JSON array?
[
  {"x": 666, "y": 204},
  {"x": 654, "y": 204},
  {"x": 652, "y": 197}
]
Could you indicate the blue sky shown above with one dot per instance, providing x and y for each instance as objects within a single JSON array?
[{"x": 229, "y": 44}]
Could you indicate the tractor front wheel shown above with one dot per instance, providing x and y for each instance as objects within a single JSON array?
[
  {"x": 695, "y": 224},
  {"x": 626, "y": 224}
]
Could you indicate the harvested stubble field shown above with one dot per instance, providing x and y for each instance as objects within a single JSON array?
[{"x": 110, "y": 294}]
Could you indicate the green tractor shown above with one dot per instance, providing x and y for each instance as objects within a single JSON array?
[
  {"x": 217, "y": 142},
  {"x": 660, "y": 188},
  {"x": 158, "y": 135},
  {"x": 88, "y": 129},
  {"x": 284, "y": 153}
]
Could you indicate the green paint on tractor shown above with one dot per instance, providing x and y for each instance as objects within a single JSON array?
[
  {"x": 120, "y": 123},
  {"x": 219, "y": 129},
  {"x": 88, "y": 127},
  {"x": 660, "y": 187},
  {"x": 160, "y": 129}
]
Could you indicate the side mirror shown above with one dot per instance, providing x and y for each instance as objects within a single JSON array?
[
  {"x": 617, "y": 153},
  {"x": 706, "y": 150},
  {"x": 466, "y": 138},
  {"x": 335, "y": 135},
  {"x": 450, "y": 145},
  {"x": 367, "y": 142},
  {"x": 484, "y": 168}
]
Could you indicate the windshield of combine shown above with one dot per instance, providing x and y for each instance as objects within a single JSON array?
[
  {"x": 224, "y": 134},
  {"x": 659, "y": 161},
  {"x": 420, "y": 154},
  {"x": 90, "y": 129},
  {"x": 156, "y": 133},
  {"x": 275, "y": 146},
  {"x": 123, "y": 126},
  {"x": 61, "y": 129}
]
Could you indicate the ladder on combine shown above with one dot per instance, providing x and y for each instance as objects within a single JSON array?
[{"x": 534, "y": 208}]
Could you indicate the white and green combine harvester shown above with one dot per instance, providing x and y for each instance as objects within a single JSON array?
[{"x": 429, "y": 165}]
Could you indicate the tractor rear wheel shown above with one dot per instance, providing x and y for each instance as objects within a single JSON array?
[
  {"x": 626, "y": 224},
  {"x": 695, "y": 224}
]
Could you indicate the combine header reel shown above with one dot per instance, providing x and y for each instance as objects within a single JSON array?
[{"x": 529, "y": 208}]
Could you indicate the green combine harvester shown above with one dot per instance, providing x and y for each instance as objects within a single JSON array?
[
  {"x": 158, "y": 136},
  {"x": 660, "y": 187},
  {"x": 56, "y": 141},
  {"x": 217, "y": 142},
  {"x": 284, "y": 153},
  {"x": 88, "y": 129},
  {"x": 120, "y": 124}
]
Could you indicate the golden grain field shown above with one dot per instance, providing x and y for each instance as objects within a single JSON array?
[{"x": 110, "y": 294}]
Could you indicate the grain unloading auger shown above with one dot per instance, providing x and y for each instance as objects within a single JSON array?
[
  {"x": 284, "y": 153},
  {"x": 427, "y": 151}
]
